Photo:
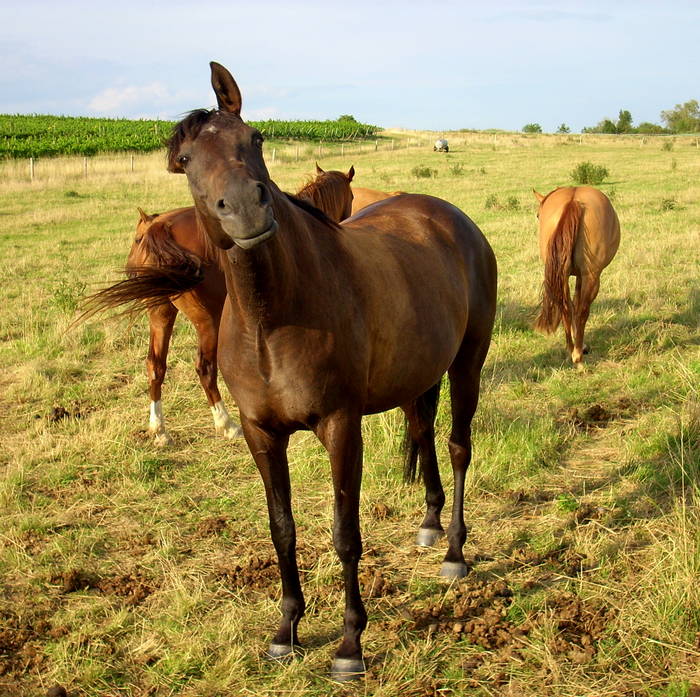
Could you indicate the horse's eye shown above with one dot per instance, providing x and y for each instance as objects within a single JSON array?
[
  {"x": 138, "y": 239},
  {"x": 258, "y": 141},
  {"x": 183, "y": 160}
]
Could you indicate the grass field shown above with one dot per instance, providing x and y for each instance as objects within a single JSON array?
[{"x": 127, "y": 570}]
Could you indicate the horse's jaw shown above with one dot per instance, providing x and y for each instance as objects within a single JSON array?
[{"x": 254, "y": 240}]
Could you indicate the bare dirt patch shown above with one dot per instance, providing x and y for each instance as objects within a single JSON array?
[
  {"x": 132, "y": 587},
  {"x": 212, "y": 527}
]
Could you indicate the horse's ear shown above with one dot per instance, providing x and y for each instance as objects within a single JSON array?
[
  {"x": 228, "y": 96},
  {"x": 351, "y": 172},
  {"x": 538, "y": 196},
  {"x": 144, "y": 216},
  {"x": 319, "y": 170}
]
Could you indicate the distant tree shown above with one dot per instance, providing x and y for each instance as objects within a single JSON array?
[
  {"x": 563, "y": 129},
  {"x": 648, "y": 128},
  {"x": 532, "y": 128},
  {"x": 623, "y": 125},
  {"x": 683, "y": 118},
  {"x": 624, "y": 122},
  {"x": 347, "y": 117}
]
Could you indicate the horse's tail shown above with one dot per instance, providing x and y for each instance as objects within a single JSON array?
[
  {"x": 556, "y": 297},
  {"x": 426, "y": 411},
  {"x": 145, "y": 287}
]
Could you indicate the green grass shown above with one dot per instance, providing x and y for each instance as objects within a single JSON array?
[{"x": 557, "y": 502}]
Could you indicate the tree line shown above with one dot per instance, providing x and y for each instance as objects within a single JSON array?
[{"x": 683, "y": 118}]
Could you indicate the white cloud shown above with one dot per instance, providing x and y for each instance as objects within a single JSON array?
[
  {"x": 262, "y": 114},
  {"x": 123, "y": 98}
]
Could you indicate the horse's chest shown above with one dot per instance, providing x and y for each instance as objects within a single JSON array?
[{"x": 289, "y": 376}]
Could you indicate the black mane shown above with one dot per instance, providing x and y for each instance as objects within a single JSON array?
[{"x": 312, "y": 210}]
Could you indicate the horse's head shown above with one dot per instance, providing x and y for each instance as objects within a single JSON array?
[
  {"x": 331, "y": 192},
  {"x": 222, "y": 158},
  {"x": 139, "y": 253}
]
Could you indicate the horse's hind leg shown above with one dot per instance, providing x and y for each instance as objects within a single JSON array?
[
  {"x": 464, "y": 392},
  {"x": 420, "y": 416},
  {"x": 161, "y": 320},
  {"x": 586, "y": 292},
  {"x": 567, "y": 313},
  {"x": 206, "y": 369},
  {"x": 341, "y": 435},
  {"x": 206, "y": 322}
]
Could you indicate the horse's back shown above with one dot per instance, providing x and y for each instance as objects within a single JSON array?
[
  {"x": 426, "y": 221},
  {"x": 363, "y": 197},
  {"x": 431, "y": 264}
]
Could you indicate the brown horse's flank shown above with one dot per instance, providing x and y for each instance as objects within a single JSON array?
[{"x": 556, "y": 296}]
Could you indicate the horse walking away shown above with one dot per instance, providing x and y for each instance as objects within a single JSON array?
[
  {"x": 579, "y": 234},
  {"x": 159, "y": 241},
  {"x": 324, "y": 323}
]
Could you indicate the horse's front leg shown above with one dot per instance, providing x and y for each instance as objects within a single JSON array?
[
  {"x": 341, "y": 434},
  {"x": 161, "y": 320},
  {"x": 270, "y": 453}
]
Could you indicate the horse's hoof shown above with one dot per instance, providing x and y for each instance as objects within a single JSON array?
[
  {"x": 454, "y": 569},
  {"x": 231, "y": 431},
  {"x": 427, "y": 537},
  {"x": 579, "y": 367},
  {"x": 280, "y": 652},
  {"x": 345, "y": 669},
  {"x": 163, "y": 439}
]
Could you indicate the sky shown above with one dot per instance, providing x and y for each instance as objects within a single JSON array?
[{"x": 437, "y": 65}]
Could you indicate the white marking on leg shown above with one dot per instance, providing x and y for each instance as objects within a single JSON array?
[
  {"x": 223, "y": 423},
  {"x": 156, "y": 425}
]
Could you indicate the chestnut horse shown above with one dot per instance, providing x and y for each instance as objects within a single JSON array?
[
  {"x": 579, "y": 234},
  {"x": 162, "y": 238},
  {"x": 364, "y": 197},
  {"x": 324, "y": 323}
]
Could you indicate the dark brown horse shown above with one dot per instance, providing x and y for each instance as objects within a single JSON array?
[
  {"x": 579, "y": 236},
  {"x": 159, "y": 240},
  {"x": 324, "y": 323}
]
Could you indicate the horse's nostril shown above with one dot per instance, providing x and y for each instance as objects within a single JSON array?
[
  {"x": 221, "y": 204},
  {"x": 263, "y": 194}
]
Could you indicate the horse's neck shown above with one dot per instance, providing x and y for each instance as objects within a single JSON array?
[{"x": 270, "y": 283}]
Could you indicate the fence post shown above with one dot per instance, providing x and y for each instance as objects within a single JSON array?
[
  {"x": 274, "y": 152},
  {"x": 132, "y": 162},
  {"x": 31, "y": 169},
  {"x": 342, "y": 149},
  {"x": 85, "y": 166},
  {"x": 297, "y": 153},
  {"x": 376, "y": 145},
  {"x": 320, "y": 145}
]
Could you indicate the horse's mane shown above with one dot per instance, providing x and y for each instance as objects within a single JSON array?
[
  {"x": 189, "y": 127},
  {"x": 312, "y": 210},
  {"x": 327, "y": 192},
  {"x": 162, "y": 250}
]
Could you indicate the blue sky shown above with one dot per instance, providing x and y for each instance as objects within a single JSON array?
[{"x": 429, "y": 65}]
